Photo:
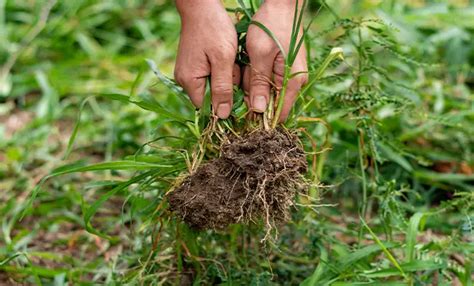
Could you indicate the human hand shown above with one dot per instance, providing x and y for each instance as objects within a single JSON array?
[
  {"x": 267, "y": 63},
  {"x": 207, "y": 47}
]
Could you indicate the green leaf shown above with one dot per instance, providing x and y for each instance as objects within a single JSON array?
[
  {"x": 411, "y": 235},
  {"x": 443, "y": 177},
  {"x": 165, "y": 80},
  {"x": 384, "y": 248},
  {"x": 414, "y": 266},
  {"x": 75, "y": 168},
  {"x": 245, "y": 9},
  {"x": 147, "y": 104},
  {"x": 72, "y": 139},
  {"x": 395, "y": 157},
  {"x": 89, "y": 212},
  {"x": 349, "y": 260},
  {"x": 319, "y": 271},
  {"x": 10, "y": 258}
]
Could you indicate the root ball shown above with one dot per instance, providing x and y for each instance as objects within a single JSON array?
[{"x": 256, "y": 177}]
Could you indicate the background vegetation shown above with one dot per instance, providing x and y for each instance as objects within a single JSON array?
[{"x": 393, "y": 161}]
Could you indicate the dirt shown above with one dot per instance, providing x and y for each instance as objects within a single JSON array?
[{"x": 255, "y": 179}]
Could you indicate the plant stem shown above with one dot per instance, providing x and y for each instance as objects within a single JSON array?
[
  {"x": 360, "y": 57},
  {"x": 281, "y": 96},
  {"x": 362, "y": 172},
  {"x": 334, "y": 54},
  {"x": 363, "y": 208}
]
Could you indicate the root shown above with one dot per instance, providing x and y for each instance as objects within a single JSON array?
[{"x": 255, "y": 179}]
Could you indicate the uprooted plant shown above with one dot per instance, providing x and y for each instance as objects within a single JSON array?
[{"x": 260, "y": 166}]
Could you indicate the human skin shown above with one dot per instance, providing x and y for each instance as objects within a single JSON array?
[
  {"x": 267, "y": 63},
  {"x": 208, "y": 47}
]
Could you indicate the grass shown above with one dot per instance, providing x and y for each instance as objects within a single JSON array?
[{"x": 390, "y": 144}]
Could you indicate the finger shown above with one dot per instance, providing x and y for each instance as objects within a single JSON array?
[
  {"x": 221, "y": 87},
  {"x": 236, "y": 75},
  {"x": 292, "y": 91},
  {"x": 299, "y": 69},
  {"x": 191, "y": 76},
  {"x": 278, "y": 70},
  {"x": 246, "y": 85},
  {"x": 195, "y": 87},
  {"x": 261, "y": 67}
]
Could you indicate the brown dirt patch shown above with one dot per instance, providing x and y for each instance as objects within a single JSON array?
[{"x": 256, "y": 177}]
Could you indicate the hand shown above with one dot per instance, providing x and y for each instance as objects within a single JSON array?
[
  {"x": 267, "y": 62},
  {"x": 207, "y": 47}
]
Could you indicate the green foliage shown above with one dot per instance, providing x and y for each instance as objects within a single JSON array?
[{"x": 82, "y": 198}]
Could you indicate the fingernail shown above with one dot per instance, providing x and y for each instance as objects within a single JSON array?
[
  {"x": 223, "y": 110},
  {"x": 259, "y": 103}
]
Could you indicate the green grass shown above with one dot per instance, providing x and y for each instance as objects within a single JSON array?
[{"x": 91, "y": 140}]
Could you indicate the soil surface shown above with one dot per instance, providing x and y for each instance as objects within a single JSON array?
[{"x": 255, "y": 178}]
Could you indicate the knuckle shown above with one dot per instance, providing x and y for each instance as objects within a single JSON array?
[
  {"x": 224, "y": 53},
  {"x": 299, "y": 80},
  {"x": 183, "y": 77},
  {"x": 279, "y": 72},
  {"x": 259, "y": 80},
  {"x": 302, "y": 79},
  {"x": 280, "y": 62},
  {"x": 259, "y": 46},
  {"x": 221, "y": 89},
  {"x": 294, "y": 86},
  {"x": 255, "y": 49}
]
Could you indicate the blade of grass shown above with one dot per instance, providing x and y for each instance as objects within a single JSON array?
[
  {"x": 146, "y": 104},
  {"x": 387, "y": 253},
  {"x": 74, "y": 168},
  {"x": 320, "y": 269},
  {"x": 294, "y": 31},
  {"x": 90, "y": 211},
  {"x": 73, "y": 136},
  {"x": 415, "y": 266},
  {"x": 413, "y": 227},
  {"x": 244, "y": 7},
  {"x": 178, "y": 90},
  {"x": 349, "y": 260},
  {"x": 10, "y": 258}
]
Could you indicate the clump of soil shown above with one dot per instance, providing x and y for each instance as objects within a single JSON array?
[{"x": 256, "y": 177}]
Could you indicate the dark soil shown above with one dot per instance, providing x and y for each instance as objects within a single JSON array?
[{"x": 255, "y": 178}]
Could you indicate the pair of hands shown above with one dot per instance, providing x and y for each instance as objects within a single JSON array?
[{"x": 208, "y": 47}]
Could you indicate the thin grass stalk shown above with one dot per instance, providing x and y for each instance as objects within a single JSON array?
[
  {"x": 362, "y": 172},
  {"x": 294, "y": 31},
  {"x": 334, "y": 54},
  {"x": 281, "y": 96}
]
